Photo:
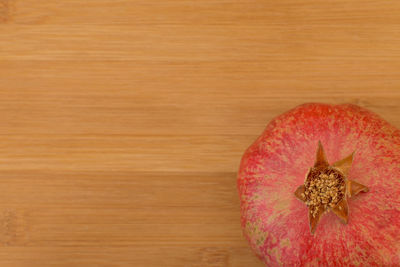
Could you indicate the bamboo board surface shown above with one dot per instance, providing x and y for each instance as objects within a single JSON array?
[{"x": 122, "y": 122}]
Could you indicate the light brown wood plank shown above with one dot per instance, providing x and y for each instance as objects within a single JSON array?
[
  {"x": 122, "y": 212},
  {"x": 181, "y": 99},
  {"x": 205, "y": 12},
  {"x": 128, "y": 256},
  {"x": 119, "y": 152},
  {"x": 200, "y": 42},
  {"x": 110, "y": 189}
]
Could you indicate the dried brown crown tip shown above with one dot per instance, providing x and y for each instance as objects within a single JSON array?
[{"x": 327, "y": 187}]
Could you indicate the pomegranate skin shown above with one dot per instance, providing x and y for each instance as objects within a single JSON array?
[{"x": 276, "y": 223}]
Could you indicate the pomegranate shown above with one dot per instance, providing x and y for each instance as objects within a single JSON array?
[{"x": 321, "y": 186}]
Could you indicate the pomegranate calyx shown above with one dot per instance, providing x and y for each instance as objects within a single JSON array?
[{"x": 326, "y": 187}]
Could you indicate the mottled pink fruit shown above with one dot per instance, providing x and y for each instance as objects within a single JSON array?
[{"x": 276, "y": 223}]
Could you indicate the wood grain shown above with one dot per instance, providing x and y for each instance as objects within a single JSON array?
[{"x": 122, "y": 123}]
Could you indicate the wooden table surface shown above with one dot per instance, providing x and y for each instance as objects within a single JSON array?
[{"x": 122, "y": 122}]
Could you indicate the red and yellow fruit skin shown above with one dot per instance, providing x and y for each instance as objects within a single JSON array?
[{"x": 276, "y": 223}]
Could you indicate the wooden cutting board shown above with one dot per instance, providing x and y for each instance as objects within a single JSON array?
[{"x": 122, "y": 123}]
